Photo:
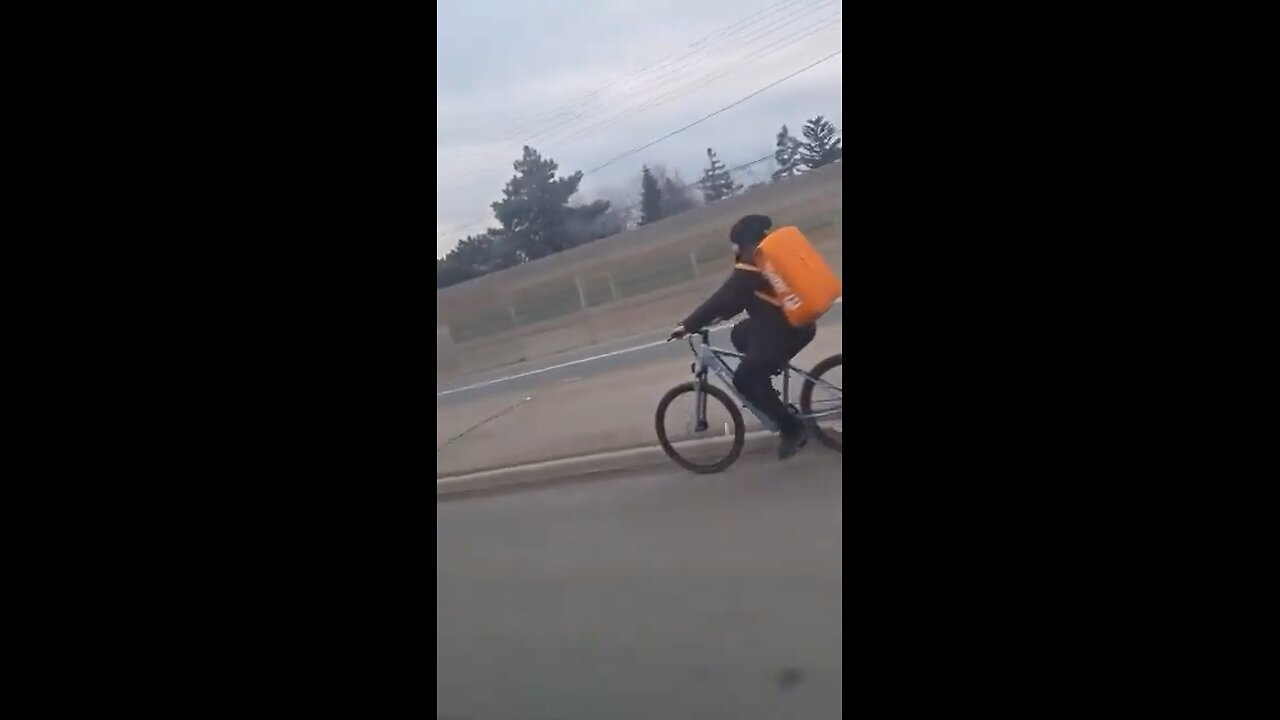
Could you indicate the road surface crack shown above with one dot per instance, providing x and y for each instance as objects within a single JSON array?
[{"x": 485, "y": 421}]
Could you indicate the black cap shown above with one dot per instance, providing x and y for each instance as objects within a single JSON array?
[{"x": 750, "y": 230}]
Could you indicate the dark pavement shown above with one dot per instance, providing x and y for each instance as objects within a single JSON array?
[{"x": 654, "y": 595}]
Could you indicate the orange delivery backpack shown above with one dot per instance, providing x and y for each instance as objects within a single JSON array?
[{"x": 803, "y": 283}]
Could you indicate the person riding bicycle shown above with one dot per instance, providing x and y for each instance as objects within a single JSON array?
[{"x": 766, "y": 339}]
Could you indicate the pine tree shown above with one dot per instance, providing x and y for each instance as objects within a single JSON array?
[
  {"x": 787, "y": 155},
  {"x": 823, "y": 143},
  {"x": 535, "y": 210},
  {"x": 650, "y": 198},
  {"x": 477, "y": 255},
  {"x": 677, "y": 197},
  {"x": 717, "y": 183}
]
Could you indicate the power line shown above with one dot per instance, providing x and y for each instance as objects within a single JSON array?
[
  {"x": 775, "y": 26},
  {"x": 638, "y": 88},
  {"x": 701, "y": 82},
  {"x": 704, "y": 118},
  {"x": 639, "y": 98},
  {"x": 656, "y": 65},
  {"x": 470, "y": 180},
  {"x": 515, "y": 129},
  {"x": 673, "y": 133}
]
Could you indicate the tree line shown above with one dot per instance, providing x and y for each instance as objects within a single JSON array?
[{"x": 537, "y": 219}]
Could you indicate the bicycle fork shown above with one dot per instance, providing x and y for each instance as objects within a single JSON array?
[{"x": 700, "y": 406}]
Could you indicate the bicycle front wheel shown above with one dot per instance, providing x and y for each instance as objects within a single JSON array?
[
  {"x": 826, "y": 396},
  {"x": 701, "y": 442}
]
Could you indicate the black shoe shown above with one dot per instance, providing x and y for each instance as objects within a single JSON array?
[{"x": 792, "y": 441}]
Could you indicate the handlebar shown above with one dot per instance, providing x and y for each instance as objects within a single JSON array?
[{"x": 705, "y": 333}]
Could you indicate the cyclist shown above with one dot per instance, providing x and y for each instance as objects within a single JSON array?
[{"x": 766, "y": 339}]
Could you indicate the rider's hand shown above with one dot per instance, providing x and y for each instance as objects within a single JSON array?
[{"x": 678, "y": 332}]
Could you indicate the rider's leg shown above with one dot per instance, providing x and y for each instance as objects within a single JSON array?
[
  {"x": 752, "y": 380},
  {"x": 801, "y": 337},
  {"x": 770, "y": 346},
  {"x": 740, "y": 336}
]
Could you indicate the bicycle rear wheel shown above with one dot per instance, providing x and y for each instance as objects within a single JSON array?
[
  {"x": 706, "y": 449},
  {"x": 826, "y": 396}
]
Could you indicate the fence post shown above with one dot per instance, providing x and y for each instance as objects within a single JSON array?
[
  {"x": 693, "y": 260},
  {"x": 446, "y": 352},
  {"x": 582, "y": 295}
]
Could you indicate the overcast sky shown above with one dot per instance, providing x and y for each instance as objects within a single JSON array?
[{"x": 583, "y": 81}]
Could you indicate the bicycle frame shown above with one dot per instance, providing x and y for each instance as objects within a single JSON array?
[{"x": 709, "y": 359}]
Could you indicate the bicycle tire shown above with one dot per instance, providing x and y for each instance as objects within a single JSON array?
[
  {"x": 806, "y": 399},
  {"x": 739, "y": 429}
]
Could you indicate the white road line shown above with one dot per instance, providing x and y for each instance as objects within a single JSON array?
[
  {"x": 487, "y": 383},
  {"x": 593, "y": 358}
]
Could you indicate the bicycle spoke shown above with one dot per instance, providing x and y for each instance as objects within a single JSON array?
[
  {"x": 826, "y": 403},
  {"x": 704, "y": 442}
]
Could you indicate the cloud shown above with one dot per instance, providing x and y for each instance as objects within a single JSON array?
[{"x": 563, "y": 79}]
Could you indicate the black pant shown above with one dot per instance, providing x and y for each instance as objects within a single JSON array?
[{"x": 767, "y": 346}]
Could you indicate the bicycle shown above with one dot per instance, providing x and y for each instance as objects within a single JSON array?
[{"x": 702, "y": 439}]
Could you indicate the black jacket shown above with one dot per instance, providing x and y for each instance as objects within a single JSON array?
[{"x": 746, "y": 289}]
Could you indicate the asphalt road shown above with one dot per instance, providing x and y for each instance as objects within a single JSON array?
[
  {"x": 657, "y": 595},
  {"x": 616, "y": 356}
]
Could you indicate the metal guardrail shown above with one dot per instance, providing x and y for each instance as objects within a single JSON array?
[{"x": 566, "y": 296}]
